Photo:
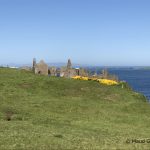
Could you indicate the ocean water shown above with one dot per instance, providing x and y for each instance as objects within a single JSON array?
[{"x": 138, "y": 79}]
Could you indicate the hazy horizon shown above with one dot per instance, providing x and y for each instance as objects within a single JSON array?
[{"x": 57, "y": 64}]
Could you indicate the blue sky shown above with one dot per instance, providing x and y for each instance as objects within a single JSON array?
[{"x": 96, "y": 32}]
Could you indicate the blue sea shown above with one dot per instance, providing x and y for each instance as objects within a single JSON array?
[{"x": 137, "y": 78}]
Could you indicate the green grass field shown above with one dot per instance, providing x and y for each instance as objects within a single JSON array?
[{"x": 39, "y": 112}]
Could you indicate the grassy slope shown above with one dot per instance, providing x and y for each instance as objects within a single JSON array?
[{"x": 57, "y": 113}]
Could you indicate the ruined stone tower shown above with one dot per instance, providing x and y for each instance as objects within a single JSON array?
[
  {"x": 34, "y": 64},
  {"x": 69, "y": 65}
]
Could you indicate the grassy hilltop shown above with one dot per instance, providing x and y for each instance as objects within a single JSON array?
[{"x": 57, "y": 113}]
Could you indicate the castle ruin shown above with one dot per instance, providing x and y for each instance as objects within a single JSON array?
[
  {"x": 40, "y": 68},
  {"x": 67, "y": 71}
]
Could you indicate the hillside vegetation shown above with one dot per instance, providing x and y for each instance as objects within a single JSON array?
[{"x": 40, "y": 112}]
